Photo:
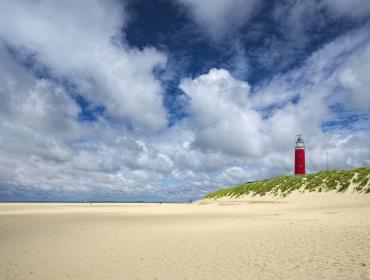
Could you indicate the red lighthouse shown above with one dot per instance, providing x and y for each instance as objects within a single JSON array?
[{"x": 299, "y": 162}]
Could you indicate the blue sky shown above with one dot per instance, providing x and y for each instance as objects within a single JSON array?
[{"x": 170, "y": 99}]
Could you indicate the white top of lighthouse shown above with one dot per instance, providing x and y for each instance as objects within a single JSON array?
[{"x": 299, "y": 143}]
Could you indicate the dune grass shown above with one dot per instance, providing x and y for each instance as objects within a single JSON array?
[{"x": 328, "y": 180}]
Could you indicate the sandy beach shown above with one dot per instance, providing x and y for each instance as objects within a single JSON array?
[{"x": 311, "y": 236}]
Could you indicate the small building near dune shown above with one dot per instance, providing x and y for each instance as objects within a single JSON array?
[{"x": 299, "y": 156}]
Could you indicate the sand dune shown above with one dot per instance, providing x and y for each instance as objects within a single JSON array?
[{"x": 323, "y": 236}]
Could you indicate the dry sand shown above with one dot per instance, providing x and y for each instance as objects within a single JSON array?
[{"x": 319, "y": 236}]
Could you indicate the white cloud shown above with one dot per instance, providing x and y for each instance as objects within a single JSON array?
[
  {"x": 223, "y": 115},
  {"x": 220, "y": 17},
  {"x": 226, "y": 120},
  {"x": 80, "y": 41},
  {"x": 43, "y": 146},
  {"x": 354, "y": 77}
]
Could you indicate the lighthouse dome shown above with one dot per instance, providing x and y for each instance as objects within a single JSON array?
[{"x": 299, "y": 143}]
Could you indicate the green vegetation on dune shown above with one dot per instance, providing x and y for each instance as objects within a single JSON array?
[{"x": 328, "y": 180}]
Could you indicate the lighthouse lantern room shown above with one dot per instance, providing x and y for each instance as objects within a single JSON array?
[{"x": 299, "y": 162}]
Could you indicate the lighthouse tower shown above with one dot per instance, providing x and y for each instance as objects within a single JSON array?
[{"x": 299, "y": 162}]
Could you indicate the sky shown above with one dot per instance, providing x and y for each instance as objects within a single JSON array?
[{"x": 168, "y": 100}]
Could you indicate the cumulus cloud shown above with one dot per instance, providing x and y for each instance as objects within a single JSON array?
[
  {"x": 223, "y": 115},
  {"x": 44, "y": 146},
  {"x": 32, "y": 110},
  {"x": 45, "y": 149},
  {"x": 227, "y": 120},
  {"x": 80, "y": 41}
]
